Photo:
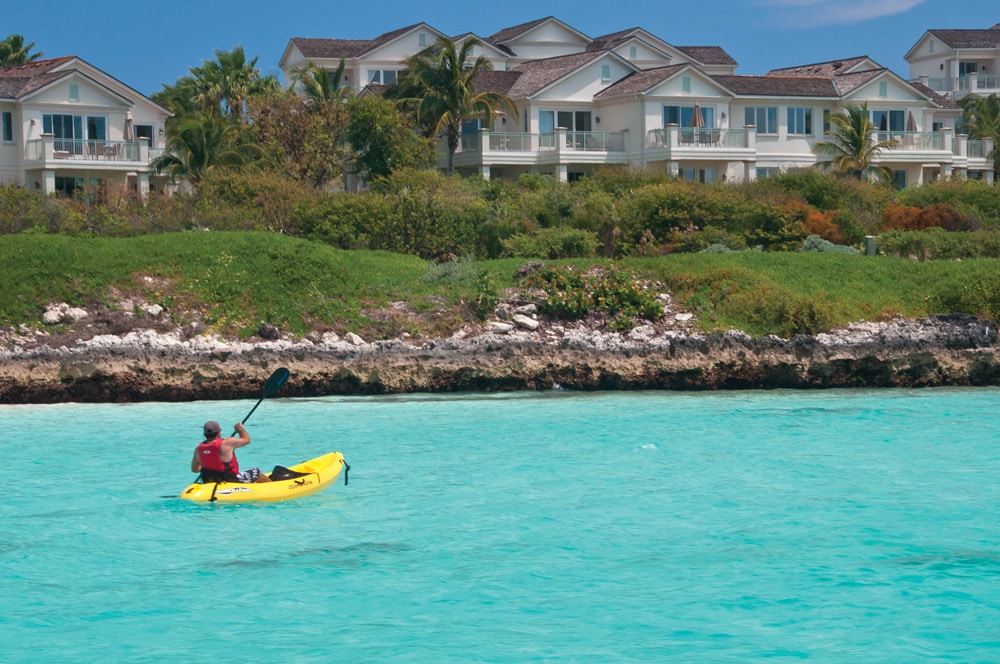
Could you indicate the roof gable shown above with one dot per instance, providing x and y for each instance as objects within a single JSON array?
[
  {"x": 829, "y": 68},
  {"x": 537, "y": 75},
  {"x": 989, "y": 38}
]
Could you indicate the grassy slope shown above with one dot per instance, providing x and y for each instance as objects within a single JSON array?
[{"x": 238, "y": 280}]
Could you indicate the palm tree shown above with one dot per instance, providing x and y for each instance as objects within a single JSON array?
[
  {"x": 200, "y": 142},
  {"x": 226, "y": 83},
  {"x": 439, "y": 88},
  {"x": 320, "y": 84},
  {"x": 981, "y": 119},
  {"x": 851, "y": 148},
  {"x": 13, "y": 51}
]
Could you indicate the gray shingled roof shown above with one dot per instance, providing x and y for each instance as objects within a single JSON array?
[
  {"x": 847, "y": 83},
  {"x": 708, "y": 55},
  {"x": 936, "y": 99},
  {"x": 969, "y": 38},
  {"x": 820, "y": 69},
  {"x": 345, "y": 48},
  {"x": 608, "y": 42},
  {"x": 778, "y": 86},
  {"x": 496, "y": 81},
  {"x": 510, "y": 33},
  {"x": 640, "y": 81},
  {"x": 538, "y": 74},
  {"x": 20, "y": 80}
]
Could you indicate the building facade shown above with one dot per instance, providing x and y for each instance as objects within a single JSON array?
[
  {"x": 632, "y": 98},
  {"x": 66, "y": 125},
  {"x": 957, "y": 63}
]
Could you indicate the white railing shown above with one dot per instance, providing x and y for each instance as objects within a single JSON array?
[
  {"x": 83, "y": 150},
  {"x": 507, "y": 141},
  {"x": 913, "y": 140},
  {"x": 595, "y": 141},
  {"x": 698, "y": 137}
]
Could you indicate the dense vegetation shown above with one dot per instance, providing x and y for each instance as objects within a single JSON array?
[
  {"x": 233, "y": 282},
  {"x": 615, "y": 213}
]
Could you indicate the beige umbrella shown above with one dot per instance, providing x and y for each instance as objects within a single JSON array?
[
  {"x": 129, "y": 133},
  {"x": 697, "y": 120},
  {"x": 911, "y": 124}
]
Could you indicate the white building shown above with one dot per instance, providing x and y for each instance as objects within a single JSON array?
[
  {"x": 64, "y": 125},
  {"x": 631, "y": 98},
  {"x": 956, "y": 63}
]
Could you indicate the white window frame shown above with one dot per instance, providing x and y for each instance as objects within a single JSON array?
[
  {"x": 800, "y": 121},
  {"x": 769, "y": 114},
  {"x": 605, "y": 73},
  {"x": 8, "y": 127}
]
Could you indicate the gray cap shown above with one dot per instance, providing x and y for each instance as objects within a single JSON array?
[{"x": 212, "y": 429}]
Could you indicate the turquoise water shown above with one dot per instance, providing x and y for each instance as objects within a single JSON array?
[{"x": 835, "y": 526}]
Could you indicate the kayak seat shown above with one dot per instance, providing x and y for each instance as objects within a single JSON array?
[{"x": 282, "y": 473}]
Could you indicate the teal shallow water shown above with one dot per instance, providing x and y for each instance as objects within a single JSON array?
[{"x": 836, "y": 526}]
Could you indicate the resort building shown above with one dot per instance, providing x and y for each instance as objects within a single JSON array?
[
  {"x": 956, "y": 63},
  {"x": 632, "y": 98},
  {"x": 67, "y": 125}
]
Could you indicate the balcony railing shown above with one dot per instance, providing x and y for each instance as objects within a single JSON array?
[
  {"x": 698, "y": 137},
  {"x": 976, "y": 149},
  {"x": 913, "y": 140},
  {"x": 978, "y": 83},
  {"x": 82, "y": 150},
  {"x": 581, "y": 141}
]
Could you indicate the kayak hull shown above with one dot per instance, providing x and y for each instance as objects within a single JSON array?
[{"x": 319, "y": 473}]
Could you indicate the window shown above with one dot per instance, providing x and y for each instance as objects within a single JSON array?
[
  {"x": 930, "y": 46},
  {"x": 71, "y": 131},
  {"x": 686, "y": 83},
  {"x": 605, "y": 73},
  {"x": 703, "y": 175},
  {"x": 883, "y": 89},
  {"x": 826, "y": 121},
  {"x": 633, "y": 52},
  {"x": 966, "y": 68},
  {"x": 144, "y": 131},
  {"x": 889, "y": 120},
  {"x": 382, "y": 76},
  {"x": 765, "y": 118},
  {"x": 800, "y": 121},
  {"x": 422, "y": 39},
  {"x": 8, "y": 127},
  {"x": 548, "y": 121},
  {"x": 684, "y": 115},
  {"x": 74, "y": 92}
]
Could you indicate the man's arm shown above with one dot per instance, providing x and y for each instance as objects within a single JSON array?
[
  {"x": 242, "y": 438},
  {"x": 195, "y": 463}
]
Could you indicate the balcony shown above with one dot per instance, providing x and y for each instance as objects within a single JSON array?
[
  {"x": 486, "y": 142},
  {"x": 55, "y": 152},
  {"x": 960, "y": 86}
]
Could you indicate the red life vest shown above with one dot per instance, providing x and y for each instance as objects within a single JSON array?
[{"x": 208, "y": 456}]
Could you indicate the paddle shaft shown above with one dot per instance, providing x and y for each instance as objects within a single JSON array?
[{"x": 273, "y": 384}]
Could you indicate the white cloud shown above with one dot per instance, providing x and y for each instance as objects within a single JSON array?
[{"x": 815, "y": 13}]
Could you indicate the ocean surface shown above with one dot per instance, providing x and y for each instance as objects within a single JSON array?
[{"x": 823, "y": 526}]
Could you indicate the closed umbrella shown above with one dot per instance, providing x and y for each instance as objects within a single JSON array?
[
  {"x": 697, "y": 120},
  {"x": 129, "y": 133},
  {"x": 911, "y": 124}
]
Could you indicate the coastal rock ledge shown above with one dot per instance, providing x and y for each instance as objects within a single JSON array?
[{"x": 145, "y": 365}]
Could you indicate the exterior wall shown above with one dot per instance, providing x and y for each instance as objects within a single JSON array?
[{"x": 548, "y": 40}]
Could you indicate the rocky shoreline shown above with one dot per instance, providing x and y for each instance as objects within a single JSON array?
[{"x": 172, "y": 365}]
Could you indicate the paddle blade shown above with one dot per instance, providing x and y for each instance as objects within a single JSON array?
[{"x": 275, "y": 382}]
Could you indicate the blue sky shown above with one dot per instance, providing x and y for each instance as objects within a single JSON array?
[{"x": 148, "y": 45}]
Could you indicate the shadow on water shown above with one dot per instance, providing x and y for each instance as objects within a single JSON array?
[{"x": 352, "y": 555}]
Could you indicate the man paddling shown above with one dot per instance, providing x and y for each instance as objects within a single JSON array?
[{"x": 215, "y": 457}]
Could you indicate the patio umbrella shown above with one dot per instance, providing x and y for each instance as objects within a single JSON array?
[
  {"x": 697, "y": 120},
  {"x": 129, "y": 133},
  {"x": 911, "y": 124}
]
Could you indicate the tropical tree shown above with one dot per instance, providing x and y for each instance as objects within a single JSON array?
[
  {"x": 851, "y": 148},
  {"x": 302, "y": 138},
  {"x": 13, "y": 51},
  {"x": 318, "y": 84},
  {"x": 201, "y": 142},
  {"x": 221, "y": 86},
  {"x": 981, "y": 119},
  {"x": 439, "y": 89},
  {"x": 384, "y": 139}
]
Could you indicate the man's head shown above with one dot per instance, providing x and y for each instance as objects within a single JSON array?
[{"x": 212, "y": 430}]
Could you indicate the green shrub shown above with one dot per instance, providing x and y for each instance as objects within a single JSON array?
[
  {"x": 978, "y": 296},
  {"x": 552, "y": 243},
  {"x": 816, "y": 243}
]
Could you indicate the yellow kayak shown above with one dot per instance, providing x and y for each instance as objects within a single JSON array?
[{"x": 295, "y": 481}]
